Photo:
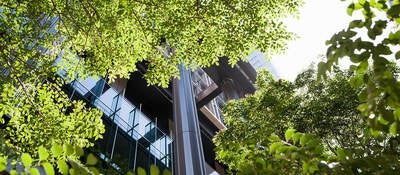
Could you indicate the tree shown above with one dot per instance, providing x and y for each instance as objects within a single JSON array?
[
  {"x": 328, "y": 109},
  {"x": 108, "y": 39},
  {"x": 380, "y": 89},
  {"x": 113, "y": 36},
  {"x": 258, "y": 138}
]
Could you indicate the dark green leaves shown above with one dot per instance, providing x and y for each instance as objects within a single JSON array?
[
  {"x": 350, "y": 9},
  {"x": 356, "y": 23},
  {"x": 394, "y": 11}
]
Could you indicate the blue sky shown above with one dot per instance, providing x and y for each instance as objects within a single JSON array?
[{"x": 319, "y": 20}]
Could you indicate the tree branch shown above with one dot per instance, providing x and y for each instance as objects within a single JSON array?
[{"x": 12, "y": 71}]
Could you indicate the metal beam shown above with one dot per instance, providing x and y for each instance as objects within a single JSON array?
[
  {"x": 189, "y": 157},
  {"x": 207, "y": 95}
]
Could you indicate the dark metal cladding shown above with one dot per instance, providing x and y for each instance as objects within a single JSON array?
[{"x": 189, "y": 157}]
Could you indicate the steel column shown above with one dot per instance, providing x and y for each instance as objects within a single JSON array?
[{"x": 189, "y": 157}]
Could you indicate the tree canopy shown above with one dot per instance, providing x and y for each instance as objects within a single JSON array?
[
  {"x": 108, "y": 39},
  {"x": 380, "y": 88},
  {"x": 303, "y": 127},
  {"x": 113, "y": 36},
  {"x": 347, "y": 124}
]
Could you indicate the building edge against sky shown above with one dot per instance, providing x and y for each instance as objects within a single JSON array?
[{"x": 258, "y": 60}]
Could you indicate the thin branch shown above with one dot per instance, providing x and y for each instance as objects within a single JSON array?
[
  {"x": 86, "y": 10},
  {"x": 12, "y": 71},
  {"x": 198, "y": 8},
  {"x": 60, "y": 17},
  {"x": 94, "y": 9},
  {"x": 329, "y": 146},
  {"x": 142, "y": 27}
]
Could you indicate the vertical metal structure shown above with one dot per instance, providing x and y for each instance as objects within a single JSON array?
[{"x": 189, "y": 157}]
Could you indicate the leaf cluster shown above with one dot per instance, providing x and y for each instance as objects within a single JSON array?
[
  {"x": 374, "y": 73},
  {"x": 112, "y": 37},
  {"x": 41, "y": 114},
  {"x": 258, "y": 137}
]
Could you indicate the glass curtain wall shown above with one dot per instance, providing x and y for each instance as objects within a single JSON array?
[{"x": 131, "y": 140}]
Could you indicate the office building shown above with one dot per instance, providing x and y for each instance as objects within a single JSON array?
[
  {"x": 141, "y": 121},
  {"x": 258, "y": 60}
]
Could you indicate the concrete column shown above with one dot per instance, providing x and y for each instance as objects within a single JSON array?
[{"x": 189, "y": 157}]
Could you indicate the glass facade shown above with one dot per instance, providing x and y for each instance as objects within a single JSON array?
[
  {"x": 201, "y": 81},
  {"x": 131, "y": 140}
]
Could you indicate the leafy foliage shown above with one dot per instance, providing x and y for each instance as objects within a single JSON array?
[
  {"x": 379, "y": 94},
  {"x": 328, "y": 108},
  {"x": 60, "y": 159},
  {"x": 40, "y": 113},
  {"x": 109, "y": 39},
  {"x": 45, "y": 116},
  {"x": 113, "y": 36},
  {"x": 258, "y": 138}
]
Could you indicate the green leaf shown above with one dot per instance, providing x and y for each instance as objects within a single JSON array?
[
  {"x": 68, "y": 149},
  {"x": 166, "y": 172},
  {"x": 274, "y": 138},
  {"x": 261, "y": 163},
  {"x": 394, "y": 11},
  {"x": 350, "y": 9},
  {"x": 356, "y": 23},
  {"x": 79, "y": 151},
  {"x": 91, "y": 159},
  {"x": 274, "y": 147},
  {"x": 362, "y": 67},
  {"x": 62, "y": 167},
  {"x": 48, "y": 168},
  {"x": 393, "y": 128},
  {"x": 154, "y": 170},
  {"x": 383, "y": 49},
  {"x": 57, "y": 149},
  {"x": 26, "y": 159},
  {"x": 34, "y": 171},
  {"x": 341, "y": 154},
  {"x": 2, "y": 167},
  {"x": 310, "y": 167},
  {"x": 304, "y": 139},
  {"x": 371, "y": 34},
  {"x": 289, "y": 133},
  {"x": 43, "y": 155},
  {"x": 322, "y": 68},
  {"x": 14, "y": 172},
  {"x": 397, "y": 56},
  {"x": 141, "y": 171},
  {"x": 296, "y": 137},
  {"x": 94, "y": 170}
]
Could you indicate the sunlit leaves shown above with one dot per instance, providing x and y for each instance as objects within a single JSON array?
[
  {"x": 50, "y": 162},
  {"x": 112, "y": 37},
  {"x": 26, "y": 159},
  {"x": 43, "y": 155},
  {"x": 45, "y": 116},
  {"x": 257, "y": 125},
  {"x": 380, "y": 95}
]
